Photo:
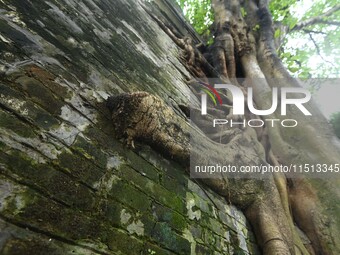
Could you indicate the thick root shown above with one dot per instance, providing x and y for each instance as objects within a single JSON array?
[{"x": 141, "y": 116}]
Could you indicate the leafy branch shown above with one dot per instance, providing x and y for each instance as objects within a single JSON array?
[
  {"x": 321, "y": 19},
  {"x": 318, "y": 49}
]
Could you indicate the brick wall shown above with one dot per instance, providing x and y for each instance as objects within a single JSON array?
[{"x": 67, "y": 186}]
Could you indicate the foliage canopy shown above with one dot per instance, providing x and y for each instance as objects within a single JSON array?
[{"x": 307, "y": 32}]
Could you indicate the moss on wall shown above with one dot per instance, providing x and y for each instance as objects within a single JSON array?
[{"x": 66, "y": 185}]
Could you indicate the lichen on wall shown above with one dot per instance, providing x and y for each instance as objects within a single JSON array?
[{"x": 67, "y": 186}]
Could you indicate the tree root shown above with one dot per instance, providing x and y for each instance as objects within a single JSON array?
[{"x": 143, "y": 117}]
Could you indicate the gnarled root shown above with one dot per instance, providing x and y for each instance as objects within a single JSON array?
[
  {"x": 141, "y": 116},
  {"x": 271, "y": 224}
]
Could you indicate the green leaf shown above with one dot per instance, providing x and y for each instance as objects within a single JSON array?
[
  {"x": 277, "y": 33},
  {"x": 256, "y": 27},
  {"x": 243, "y": 12}
]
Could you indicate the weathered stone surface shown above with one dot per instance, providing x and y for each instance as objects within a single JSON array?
[{"x": 67, "y": 186}]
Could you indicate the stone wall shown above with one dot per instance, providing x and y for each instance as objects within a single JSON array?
[{"x": 67, "y": 186}]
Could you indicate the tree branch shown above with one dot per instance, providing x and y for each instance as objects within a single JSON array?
[
  {"x": 307, "y": 31},
  {"x": 319, "y": 19},
  {"x": 318, "y": 49},
  {"x": 329, "y": 22}
]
